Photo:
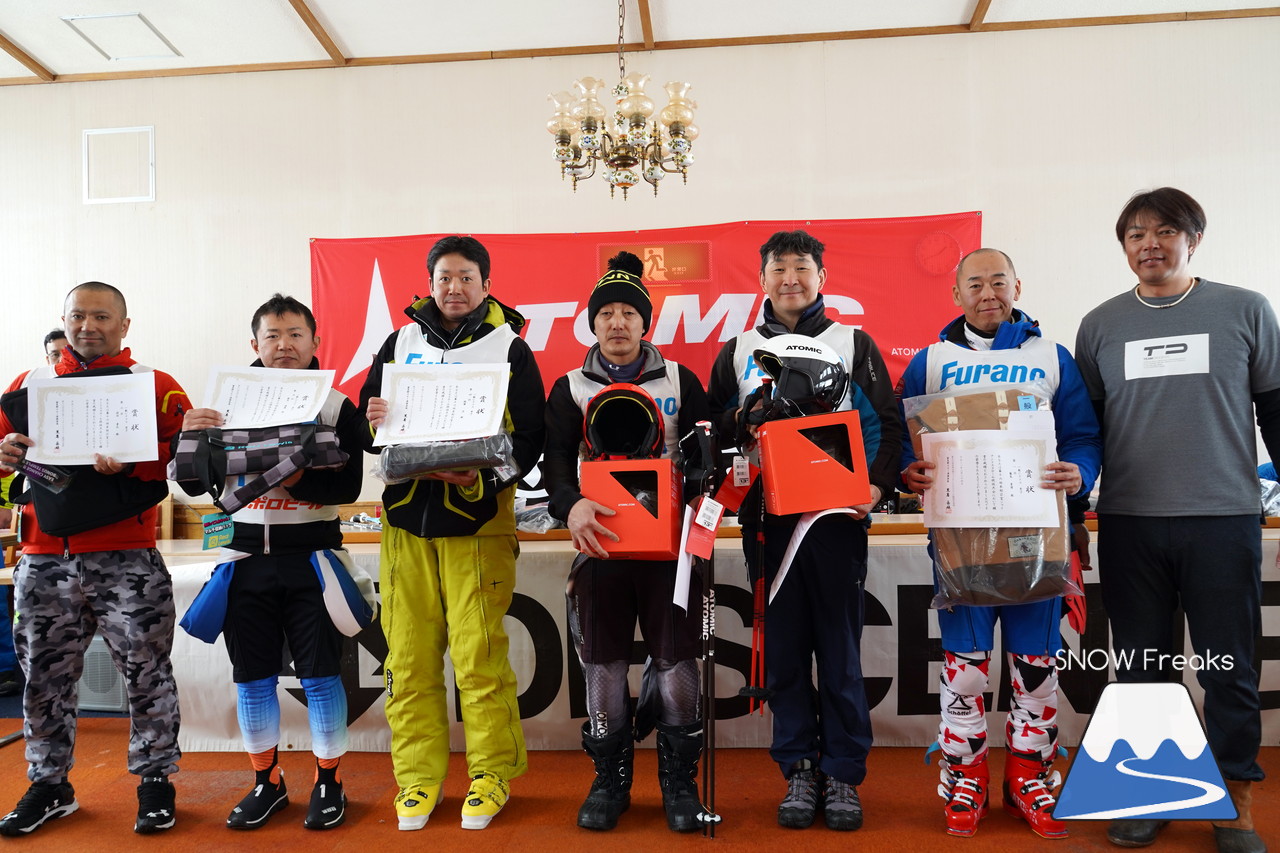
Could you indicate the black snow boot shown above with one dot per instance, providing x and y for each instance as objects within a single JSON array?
[
  {"x": 679, "y": 748},
  {"x": 610, "y": 793}
]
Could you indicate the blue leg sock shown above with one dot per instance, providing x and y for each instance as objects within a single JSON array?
[{"x": 327, "y": 714}]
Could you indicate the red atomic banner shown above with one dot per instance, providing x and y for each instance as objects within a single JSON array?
[{"x": 891, "y": 277}]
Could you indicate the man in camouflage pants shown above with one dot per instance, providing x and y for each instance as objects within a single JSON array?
[{"x": 89, "y": 564}]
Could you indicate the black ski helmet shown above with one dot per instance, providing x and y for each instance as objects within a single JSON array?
[{"x": 623, "y": 422}]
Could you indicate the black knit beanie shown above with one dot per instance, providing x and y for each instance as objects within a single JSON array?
[{"x": 621, "y": 284}]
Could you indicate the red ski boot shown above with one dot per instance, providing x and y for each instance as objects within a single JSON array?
[
  {"x": 964, "y": 787},
  {"x": 1028, "y": 793}
]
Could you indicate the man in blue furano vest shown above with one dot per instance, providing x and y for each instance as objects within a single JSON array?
[{"x": 988, "y": 346}]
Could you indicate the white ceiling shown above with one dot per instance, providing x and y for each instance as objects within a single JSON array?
[{"x": 37, "y": 45}]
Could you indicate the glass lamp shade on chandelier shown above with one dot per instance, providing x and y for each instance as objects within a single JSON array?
[{"x": 629, "y": 145}]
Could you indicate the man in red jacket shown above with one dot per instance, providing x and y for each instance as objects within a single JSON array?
[{"x": 89, "y": 564}]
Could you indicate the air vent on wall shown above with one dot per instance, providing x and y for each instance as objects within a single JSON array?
[{"x": 119, "y": 165}]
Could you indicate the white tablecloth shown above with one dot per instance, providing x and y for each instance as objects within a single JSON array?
[{"x": 901, "y": 658}]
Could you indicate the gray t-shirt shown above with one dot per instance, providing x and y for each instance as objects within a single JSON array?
[{"x": 1178, "y": 383}]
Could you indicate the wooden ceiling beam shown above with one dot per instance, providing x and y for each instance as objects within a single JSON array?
[
  {"x": 318, "y": 30},
  {"x": 578, "y": 50},
  {"x": 587, "y": 50},
  {"x": 429, "y": 58},
  {"x": 1270, "y": 11},
  {"x": 979, "y": 13},
  {"x": 26, "y": 59},
  {"x": 195, "y": 72},
  {"x": 646, "y": 23},
  {"x": 1107, "y": 21},
  {"x": 794, "y": 38}
]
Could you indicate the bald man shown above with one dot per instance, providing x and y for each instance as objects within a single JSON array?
[
  {"x": 993, "y": 332},
  {"x": 89, "y": 565}
]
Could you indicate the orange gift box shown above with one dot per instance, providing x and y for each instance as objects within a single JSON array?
[
  {"x": 813, "y": 463},
  {"x": 645, "y": 532}
]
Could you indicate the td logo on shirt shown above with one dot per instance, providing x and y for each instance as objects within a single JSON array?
[
  {"x": 1175, "y": 356},
  {"x": 1144, "y": 755}
]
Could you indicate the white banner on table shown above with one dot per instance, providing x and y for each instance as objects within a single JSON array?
[
  {"x": 901, "y": 659},
  {"x": 990, "y": 478},
  {"x": 251, "y": 397},
  {"x": 72, "y": 418},
  {"x": 442, "y": 402}
]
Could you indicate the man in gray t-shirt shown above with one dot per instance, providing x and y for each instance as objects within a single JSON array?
[{"x": 1177, "y": 368}]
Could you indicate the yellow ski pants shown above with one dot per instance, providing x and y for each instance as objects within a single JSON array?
[{"x": 449, "y": 594}]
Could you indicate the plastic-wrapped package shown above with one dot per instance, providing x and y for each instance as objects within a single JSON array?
[
  {"x": 402, "y": 462},
  {"x": 991, "y": 566},
  {"x": 536, "y": 518},
  {"x": 1270, "y": 497}
]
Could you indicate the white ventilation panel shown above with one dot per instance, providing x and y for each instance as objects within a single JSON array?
[
  {"x": 117, "y": 37},
  {"x": 119, "y": 165}
]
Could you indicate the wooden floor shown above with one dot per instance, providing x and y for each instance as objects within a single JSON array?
[{"x": 903, "y": 812}]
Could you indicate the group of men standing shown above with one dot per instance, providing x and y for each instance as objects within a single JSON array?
[{"x": 1178, "y": 520}]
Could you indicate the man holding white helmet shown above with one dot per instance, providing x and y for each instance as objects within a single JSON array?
[{"x": 821, "y": 740}]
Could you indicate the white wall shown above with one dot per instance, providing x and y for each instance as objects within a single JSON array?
[{"x": 1047, "y": 132}]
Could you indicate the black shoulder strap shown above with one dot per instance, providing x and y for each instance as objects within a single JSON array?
[{"x": 14, "y": 405}]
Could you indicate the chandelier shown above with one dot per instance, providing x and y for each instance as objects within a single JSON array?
[{"x": 631, "y": 146}]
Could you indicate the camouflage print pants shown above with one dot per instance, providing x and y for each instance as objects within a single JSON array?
[{"x": 60, "y": 603}]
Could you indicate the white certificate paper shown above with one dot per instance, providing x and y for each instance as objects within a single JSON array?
[
  {"x": 73, "y": 418},
  {"x": 442, "y": 402},
  {"x": 251, "y": 397},
  {"x": 990, "y": 478}
]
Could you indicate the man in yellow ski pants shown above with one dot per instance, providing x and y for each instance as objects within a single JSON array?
[{"x": 449, "y": 555}]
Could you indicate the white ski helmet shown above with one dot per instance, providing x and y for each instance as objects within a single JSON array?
[{"x": 809, "y": 377}]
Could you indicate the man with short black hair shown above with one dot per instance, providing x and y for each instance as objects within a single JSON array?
[
  {"x": 276, "y": 596},
  {"x": 1178, "y": 368},
  {"x": 53, "y": 344},
  {"x": 821, "y": 738},
  {"x": 107, "y": 578},
  {"x": 449, "y": 554}
]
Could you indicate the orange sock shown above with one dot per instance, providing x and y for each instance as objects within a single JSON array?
[
  {"x": 328, "y": 764},
  {"x": 266, "y": 760}
]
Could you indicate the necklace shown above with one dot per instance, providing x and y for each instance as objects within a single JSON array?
[{"x": 1138, "y": 296}]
